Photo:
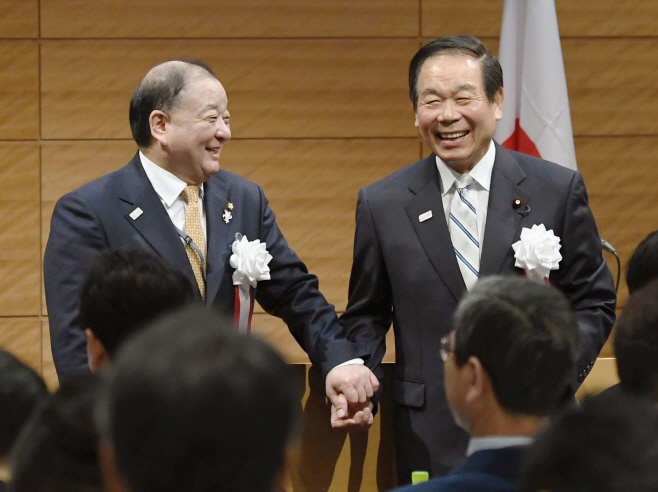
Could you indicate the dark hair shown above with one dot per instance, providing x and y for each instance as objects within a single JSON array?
[
  {"x": 21, "y": 389},
  {"x": 123, "y": 290},
  {"x": 526, "y": 336},
  {"x": 643, "y": 265},
  {"x": 57, "y": 450},
  {"x": 492, "y": 72},
  {"x": 160, "y": 89},
  {"x": 192, "y": 405},
  {"x": 607, "y": 444},
  {"x": 636, "y": 342}
]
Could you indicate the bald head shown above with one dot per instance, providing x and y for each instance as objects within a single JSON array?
[{"x": 160, "y": 90}]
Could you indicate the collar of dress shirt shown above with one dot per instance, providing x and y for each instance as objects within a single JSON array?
[
  {"x": 496, "y": 442},
  {"x": 481, "y": 172},
  {"x": 166, "y": 185}
]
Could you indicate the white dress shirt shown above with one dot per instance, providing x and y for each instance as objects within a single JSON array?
[
  {"x": 496, "y": 442},
  {"x": 169, "y": 189},
  {"x": 481, "y": 175}
]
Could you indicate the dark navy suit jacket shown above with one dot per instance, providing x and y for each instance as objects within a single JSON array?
[
  {"x": 489, "y": 470},
  {"x": 96, "y": 217},
  {"x": 405, "y": 273}
]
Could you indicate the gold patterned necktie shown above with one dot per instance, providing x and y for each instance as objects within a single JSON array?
[{"x": 194, "y": 230}]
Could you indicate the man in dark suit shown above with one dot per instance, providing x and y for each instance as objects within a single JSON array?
[
  {"x": 174, "y": 201},
  {"x": 508, "y": 364},
  {"x": 423, "y": 235}
]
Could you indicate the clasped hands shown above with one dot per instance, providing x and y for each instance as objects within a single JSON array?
[{"x": 350, "y": 389}]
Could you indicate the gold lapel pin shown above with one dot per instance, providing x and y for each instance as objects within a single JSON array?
[{"x": 229, "y": 206}]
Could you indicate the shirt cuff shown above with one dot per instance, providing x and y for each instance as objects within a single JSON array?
[{"x": 351, "y": 361}]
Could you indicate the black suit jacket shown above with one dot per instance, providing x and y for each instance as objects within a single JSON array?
[
  {"x": 405, "y": 272},
  {"x": 96, "y": 217},
  {"x": 489, "y": 470}
]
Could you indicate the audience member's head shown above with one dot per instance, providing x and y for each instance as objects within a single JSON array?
[
  {"x": 511, "y": 356},
  {"x": 21, "y": 389},
  {"x": 642, "y": 268},
  {"x": 57, "y": 449},
  {"x": 636, "y": 342},
  {"x": 608, "y": 444},
  {"x": 124, "y": 290},
  {"x": 191, "y": 405}
]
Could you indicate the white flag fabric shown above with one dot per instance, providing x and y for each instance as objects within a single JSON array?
[{"x": 536, "y": 117}]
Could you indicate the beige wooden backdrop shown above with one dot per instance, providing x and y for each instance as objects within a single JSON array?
[{"x": 317, "y": 93}]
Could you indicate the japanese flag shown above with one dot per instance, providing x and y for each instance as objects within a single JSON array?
[{"x": 536, "y": 117}]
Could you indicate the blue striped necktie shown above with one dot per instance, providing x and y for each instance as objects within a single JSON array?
[{"x": 464, "y": 231}]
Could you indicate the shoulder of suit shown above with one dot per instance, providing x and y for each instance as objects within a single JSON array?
[
  {"x": 235, "y": 181},
  {"x": 100, "y": 188},
  {"x": 534, "y": 166}
]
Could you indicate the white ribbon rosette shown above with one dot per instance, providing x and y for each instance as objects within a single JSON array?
[
  {"x": 250, "y": 260},
  {"x": 537, "y": 252}
]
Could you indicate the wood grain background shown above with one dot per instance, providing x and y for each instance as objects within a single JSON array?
[{"x": 318, "y": 102}]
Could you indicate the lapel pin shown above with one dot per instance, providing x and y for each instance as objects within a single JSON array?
[
  {"x": 423, "y": 217},
  {"x": 516, "y": 203},
  {"x": 227, "y": 216},
  {"x": 230, "y": 206},
  {"x": 134, "y": 215}
]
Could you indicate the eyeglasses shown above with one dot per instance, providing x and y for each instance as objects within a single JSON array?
[{"x": 445, "y": 349}]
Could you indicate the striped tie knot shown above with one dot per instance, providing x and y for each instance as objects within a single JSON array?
[{"x": 464, "y": 181}]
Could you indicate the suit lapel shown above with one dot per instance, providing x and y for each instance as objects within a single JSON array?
[
  {"x": 503, "y": 220},
  {"x": 153, "y": 224},
  {"x": 216, "y": 198},
  {"x": 433, "y": 233}
]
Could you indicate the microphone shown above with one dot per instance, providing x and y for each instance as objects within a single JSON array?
[{"x": 610, "y": 249}]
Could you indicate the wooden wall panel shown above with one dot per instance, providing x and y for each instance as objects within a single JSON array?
[
  {"x": 312, "y": 186},
  {"x": 19, "y": 19},
  {"x": 228, "y": 19},
  {"x": 22, "y": 337},
  {"x": 276, "y": 88},
  {"x": 608, "y": 18},
  {"x": 611, "y": 91},
  {"x": 603, "y": 18},
  {"x": 19, "y": 90},
  {"x": 622, "y": 179},
  {"x": 68, "y": 165},
  {"x": 479, "y": 18},
  {"x": 19, "y": 229}
]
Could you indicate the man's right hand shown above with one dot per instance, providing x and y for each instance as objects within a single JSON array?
[{"x": 349, "y": 389}]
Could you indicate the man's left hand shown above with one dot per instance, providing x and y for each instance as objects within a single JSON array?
[{"x": 359, "y": 417}]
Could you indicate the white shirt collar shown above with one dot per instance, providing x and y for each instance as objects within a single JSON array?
[
  {"x": 481, "y": 172},
  {"x": 168, "y": 186},
  {"x": 496, "y": 442}
]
